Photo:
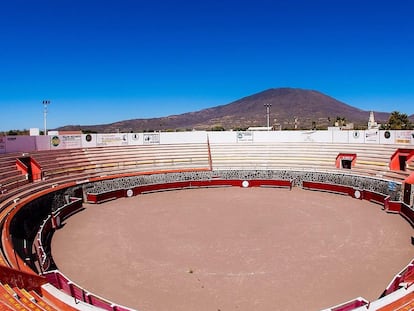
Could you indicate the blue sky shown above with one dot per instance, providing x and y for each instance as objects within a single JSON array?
[{"x": 105, "y": 61}]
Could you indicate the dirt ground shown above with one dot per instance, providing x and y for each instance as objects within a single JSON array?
[{"x": 233, "y": 249}]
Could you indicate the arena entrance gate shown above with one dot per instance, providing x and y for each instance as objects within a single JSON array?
[{"x": 399, "y": 159}]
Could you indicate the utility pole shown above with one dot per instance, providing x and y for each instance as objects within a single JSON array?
[
  {"x": 45, "y": 104},
  {"x": 268, "y": 114}
]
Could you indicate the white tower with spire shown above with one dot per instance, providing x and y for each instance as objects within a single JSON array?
[{"x": 371, "y": 121}]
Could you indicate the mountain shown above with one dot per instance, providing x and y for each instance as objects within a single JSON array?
[{"x": 308, "y": 107}]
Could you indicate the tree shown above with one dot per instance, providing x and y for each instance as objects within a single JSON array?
[
  {"x": 218, "y": 128},
  {"x": 17, "y": 132},
  {"x": 398, "y": 121}
]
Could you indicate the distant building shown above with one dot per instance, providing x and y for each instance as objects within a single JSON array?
[
  {"x": 371, "y": 122},
  {"x": 34, "y": 131},
  {"x": 260, "y": 128},
  {"x": 64, "y": 132},
  {"x": 334, "y": 128},
  {"x": 348, "y": 126}
]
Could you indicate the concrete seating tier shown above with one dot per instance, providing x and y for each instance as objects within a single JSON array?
[
  {"x": 372, "y": 160},
  {"x": 114, "y": 160},
  {"x": 7, "y": 164},
  {"x": 10, "y": 177},
  {"x": 15, "y": 298},
  {"x": 50, "y": 160},
  {"x": 410, "y": 165},
  {"x": 20, "y": 299}
]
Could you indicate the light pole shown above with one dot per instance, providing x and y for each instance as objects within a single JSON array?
[
  {"x": 45, "y": 104},
  {"x": 268, "y": 114}
]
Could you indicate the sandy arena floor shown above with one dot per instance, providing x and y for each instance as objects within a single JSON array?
[{"x": 233, "y": 249}]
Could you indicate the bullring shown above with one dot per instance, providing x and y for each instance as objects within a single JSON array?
[{"x": 207, "y": 159}]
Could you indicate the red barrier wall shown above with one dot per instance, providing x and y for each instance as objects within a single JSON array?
[
  {"x": 350, "y": 305},
  {"x": 392, "y": 206},
  {"x": 407, "y": 212},
  {"x": 102, "y": 197},
  {"x": 394, "y": 285},
  {"x": 329, "y": 187},
  {"x": 67, "y": 210},
  {"x": 59, "y": 281},
  {"x": 374, "y": 197}
]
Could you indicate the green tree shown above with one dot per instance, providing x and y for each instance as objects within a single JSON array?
[
  {"x": 218, "y": 128},
  {"x": 398, "y": 121},
  {"x": 239, "y": 128},
  {"x": 88, "y": 132},
  {"x": 17, "y": 132}
]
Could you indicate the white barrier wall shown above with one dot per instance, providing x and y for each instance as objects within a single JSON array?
[
  {"x": 88, "y": 140},
  {"x": 372, "y": 136},
  {"x": 222, "y": 137},
  {"x": 12, "y": 144},
  {"x": 340, "y": 137},
  {"x": 290, "y": 137},
  {"x": 151, "y": 138},
  {"x": 404, "y": 137},
  {"x": 9, "y": 144},
  {"x": 183, "y": 137},
  {"x": 113, "y": 139},
  {"x": 387, "y": 137},
  {"x": 42, "y": 142},
  {"x": 65, "y": 141},
  {"x": 2, "y": 144},
  {"x": 135, "y": 139},
  {"x": 356, "y": 137}
]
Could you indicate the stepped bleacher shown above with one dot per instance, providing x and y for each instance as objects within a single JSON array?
[
  {"x": 371, "y": 160},
  {"x": 410, "y": 165},
  {"x": 20, "y": 299},
  {"x": 117, "y": 160},
  {"x": 10, "y": 176}
]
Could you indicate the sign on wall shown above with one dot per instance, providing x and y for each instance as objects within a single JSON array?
[
  {"x": 372, "y": 136},
  {"x": 135, "y": 139},
  {"x": 65, "y": 141},
  {"x": 151, "y": 138},
  {"x": 88, "y": 140},
  {"x": 307, "y": 135},
  {"x": 117, "y": 139},
  {"x": 244, "y": 136},
  {"x": 356, "y": 136},
  {"x": 402, "y": 137}
]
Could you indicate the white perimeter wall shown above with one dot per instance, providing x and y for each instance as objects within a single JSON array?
[
  {"x": 11, "y": 144},
  {"x": 183, "y": 137}
]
